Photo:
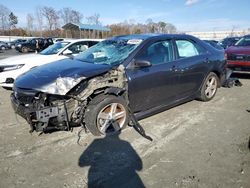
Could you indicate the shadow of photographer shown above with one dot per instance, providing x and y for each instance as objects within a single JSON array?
[{"x": 113, "y": 163}]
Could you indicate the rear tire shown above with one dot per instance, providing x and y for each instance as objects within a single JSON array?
[
  {"x": 209, "y": 87},
  {"x": 106, "y": 114}
]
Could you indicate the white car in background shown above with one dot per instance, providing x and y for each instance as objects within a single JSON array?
[{"x": 12, "y": 67}]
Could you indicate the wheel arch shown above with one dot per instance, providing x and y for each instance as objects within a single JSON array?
[{"x": 116, "y": 91}]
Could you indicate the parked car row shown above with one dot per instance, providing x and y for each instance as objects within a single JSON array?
[
  {"x": 228, "y": 41},
  {"x": 104, "y": 85},
  {"x": 29, "y": 45},
  {"x": 3, "y": 45},
  {"x": 34, "y": 44},
  {"x": 14, "y": 43},
  {"x": 10, "y": 45},
  {"x": 238, "y": 55},
  {"x": 237, "y": 52}
]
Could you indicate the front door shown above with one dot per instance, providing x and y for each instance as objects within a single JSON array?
[{"x": 155, "y": 85}]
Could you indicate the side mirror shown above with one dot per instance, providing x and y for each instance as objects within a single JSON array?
[
  {"x": 142, "y": 64},
  {"x": 67, "y": 52}
]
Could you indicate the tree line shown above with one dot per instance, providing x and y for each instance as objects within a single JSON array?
[{"x": 47, "y": 21}]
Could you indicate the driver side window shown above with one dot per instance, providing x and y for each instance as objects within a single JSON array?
[{"x": 157, "y": 53}]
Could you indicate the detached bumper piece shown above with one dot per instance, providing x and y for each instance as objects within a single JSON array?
[{"x": 230, "y": 82}]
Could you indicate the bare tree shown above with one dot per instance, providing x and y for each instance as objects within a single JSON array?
[
  {"x": 30, "y": 23},
  {"x": 76, "y": 17},
  {"x": 131, "y": 27},
  {"x": 69, "y": 15},
  {"x": 161, "y": 27},
  {"x": 65, "y": 15},
  {"x": 51, "y": 16},
  {"x": 170, "y": 28},
  {"x": 39, "y": 18},
  {"x": 150, "y": 26},
  {"x": 4, "y": 14},
  {"x": 94, "y": 19}
]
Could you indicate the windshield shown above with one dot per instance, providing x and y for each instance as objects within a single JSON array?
[
  {"x": 54, "y": 49},
  {"x": 109, "y": 52},
  {"x": 245, "y": 41}
]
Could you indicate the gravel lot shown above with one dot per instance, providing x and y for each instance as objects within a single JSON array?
[{"x": 194, "y": 145}]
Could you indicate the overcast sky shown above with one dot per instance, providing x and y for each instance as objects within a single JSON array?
[{"x": 186, "y": 15}]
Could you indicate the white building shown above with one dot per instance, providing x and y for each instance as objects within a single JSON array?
[{"x": 218, "y": 35}]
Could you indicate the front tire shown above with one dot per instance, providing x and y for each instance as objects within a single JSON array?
[
  {"x": 209, "y": 87},
  {"x": 106, "y": 114}
]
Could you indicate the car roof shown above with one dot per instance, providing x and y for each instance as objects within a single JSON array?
[
  {"x": 80, "y": 40},
  {"x": 148, "y": 36}
]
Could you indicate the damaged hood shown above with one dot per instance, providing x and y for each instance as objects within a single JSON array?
[{"x": 41, "y": 77}]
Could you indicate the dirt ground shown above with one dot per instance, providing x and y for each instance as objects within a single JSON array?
[{"x": 194, "y": 145}]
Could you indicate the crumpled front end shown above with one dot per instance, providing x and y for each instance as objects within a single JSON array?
[
  {"x": 44, "y": 111},
  {"x": 41, "y": 110}
]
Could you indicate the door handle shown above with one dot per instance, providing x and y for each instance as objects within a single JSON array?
[
  {"x": 176, "y": 69},
  {"x": 206, "y": 60}
]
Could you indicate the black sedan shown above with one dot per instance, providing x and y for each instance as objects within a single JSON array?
[{"x": 124, "y": 75}]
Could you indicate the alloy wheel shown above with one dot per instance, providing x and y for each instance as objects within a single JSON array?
[
  {"x": 211, "y": 87},
  {"x": 111, "y": 118}
]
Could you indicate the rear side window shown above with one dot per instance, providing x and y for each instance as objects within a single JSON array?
[
  {"x": 157, "y": 53},
  {"x": 186, "y": 48}
]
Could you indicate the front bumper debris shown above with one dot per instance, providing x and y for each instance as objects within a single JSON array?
[
  {"x": 229, "y": 81},
  {"x": 39, "y": 117}
]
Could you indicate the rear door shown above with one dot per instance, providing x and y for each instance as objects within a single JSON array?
[
  {"x": 191, "y": 66},
  {"x": 153, "y": 86}
]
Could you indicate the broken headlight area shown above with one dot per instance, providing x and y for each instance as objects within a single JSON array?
[{"x": 61, "y": 85}]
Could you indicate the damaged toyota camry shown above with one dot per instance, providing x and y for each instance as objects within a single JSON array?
[{"x": 119, "y": 78}]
